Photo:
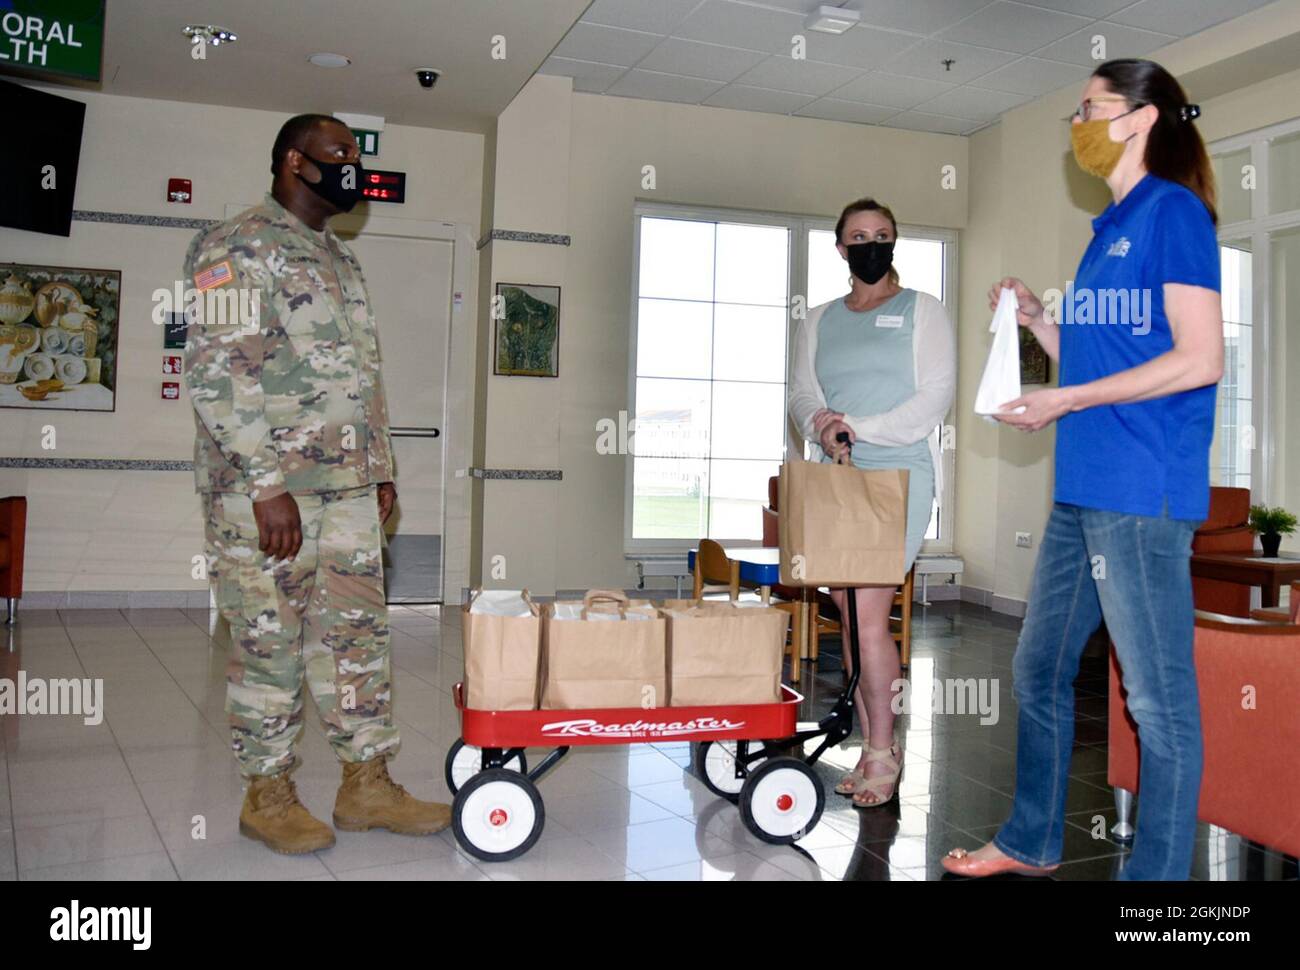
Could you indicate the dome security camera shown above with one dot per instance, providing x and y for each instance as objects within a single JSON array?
[{"x": 427, "y": 76}]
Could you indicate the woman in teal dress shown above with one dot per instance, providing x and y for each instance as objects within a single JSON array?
[{"x": 879, "y": 365}]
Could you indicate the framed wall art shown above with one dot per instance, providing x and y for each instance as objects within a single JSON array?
[
  {"x": 1034, "y": 361},
  {"x": 58, "y": 337},
  {"x": 527, "y": 330}
]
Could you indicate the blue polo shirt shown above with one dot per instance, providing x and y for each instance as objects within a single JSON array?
[{"x": 1145, "y": 457}]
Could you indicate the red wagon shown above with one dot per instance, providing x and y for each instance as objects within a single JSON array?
[{"x": 498, "y": 813}]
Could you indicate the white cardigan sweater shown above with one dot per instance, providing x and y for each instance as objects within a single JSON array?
[{"x": 934, "y": 362}]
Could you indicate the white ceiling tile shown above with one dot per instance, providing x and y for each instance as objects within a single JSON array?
[
  {"x": 1084, "y": 8},
  {"x": 917, "y": 16},
  {"x": 693, "y": 59},
  {"x": 832, "y": 109},
  {"x": 972, "y": 103},
  {"x": 1121, "y": 41},
  {"x": 659, "y": 17},
  {"x": 593, "y": 78},
  {"x": 1033, "y": 75},
  {"x": 783, "y": 73},
  {"x": 738, "y": 25},
  {"x": 663, "y": 87},
  {"x": 861, "y": 47},
  {"x": 797, "y": 6},
  {"x": 920, "y": 121},
  {"x": 891, "y": 90},
  {"x": 744, "y": 98},
  {"x": 925, "y": 60},
  {"x": 1013, "y": 27},
  {"x": 605, "y": 45},
  {"x": 1183, "y": 17}
]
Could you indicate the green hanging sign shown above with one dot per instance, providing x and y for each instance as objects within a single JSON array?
[{"x": 63, "y": 37}]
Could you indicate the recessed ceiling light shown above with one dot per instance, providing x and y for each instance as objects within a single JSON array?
[
  {"x": 209, "y": 34},
  {"x": 330, "y": 60},
  {"x": 832, "y": 20}
]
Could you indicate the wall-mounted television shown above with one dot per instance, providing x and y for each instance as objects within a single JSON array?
[{"x": 38, "y": 179}]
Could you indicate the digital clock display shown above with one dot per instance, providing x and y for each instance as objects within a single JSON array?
[{"x": 383, "y": 186}]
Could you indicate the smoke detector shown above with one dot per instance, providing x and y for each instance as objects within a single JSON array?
[{"x": 832, "y": 20}]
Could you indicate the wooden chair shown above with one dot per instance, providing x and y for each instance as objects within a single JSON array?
[
  {"x": 714, "y": 572},
  {"x": 1281, "y": 614},
  {"x": 903, "y": 606}
]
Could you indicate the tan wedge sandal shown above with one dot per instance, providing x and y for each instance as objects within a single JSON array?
[
  {"x": 851, "y": 783},
  {"x": 891, "y": 756}
]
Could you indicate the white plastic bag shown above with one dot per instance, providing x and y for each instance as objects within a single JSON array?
[
  {"x": 501, "y": 602},
  {"x": 1001, "y": 380}
]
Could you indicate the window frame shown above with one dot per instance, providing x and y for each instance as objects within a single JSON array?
[
  {"x": 1258, "y": 229},
  {"x": 797, "y": 270}
]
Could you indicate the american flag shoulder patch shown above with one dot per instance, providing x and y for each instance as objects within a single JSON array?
[{"x": 219, "y": 274}]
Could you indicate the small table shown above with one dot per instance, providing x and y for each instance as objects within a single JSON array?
[
  {"x": 1268, "y": 574},
  {"x": 761, "y": 566}
]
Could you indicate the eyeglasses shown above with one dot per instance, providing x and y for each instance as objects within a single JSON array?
[{"x": 1084, "y": 111}]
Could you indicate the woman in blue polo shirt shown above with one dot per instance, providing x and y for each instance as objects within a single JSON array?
[{"x": 1140, "y": 346}]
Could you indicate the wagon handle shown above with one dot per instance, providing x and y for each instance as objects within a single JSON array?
[{"x": 843, "y": 438}]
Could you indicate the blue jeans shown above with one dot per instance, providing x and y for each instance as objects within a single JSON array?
[{"x": 1133, "y": 570}]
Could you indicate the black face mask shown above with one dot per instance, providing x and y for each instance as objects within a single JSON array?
[
  {"x": 870, "y": 261},
  {"x": 340, "y": 183}
]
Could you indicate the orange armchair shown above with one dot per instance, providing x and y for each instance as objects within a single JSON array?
[
  {"x": 13, "y": 533},
  {"x": 1224, "y": 531},
  {"x": 1250, "y": 784}
]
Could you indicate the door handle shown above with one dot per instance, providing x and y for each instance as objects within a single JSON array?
[{"x": 414, "y": 432}]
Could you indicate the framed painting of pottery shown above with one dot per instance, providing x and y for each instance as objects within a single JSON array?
[
  {"x": 527, "y": 330},
  {"x": 58, "y": 337},
  {"x": 1033, "y": 359}
]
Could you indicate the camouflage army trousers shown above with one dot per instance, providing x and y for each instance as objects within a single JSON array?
[{"x": 321, "y": 615}]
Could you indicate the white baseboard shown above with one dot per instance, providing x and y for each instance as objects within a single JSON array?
[
  {"x": 998, "y": 604},
  {"x": 176, "y": 599}
]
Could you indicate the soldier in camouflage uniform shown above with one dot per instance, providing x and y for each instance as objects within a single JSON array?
[{"x": 295, "y": 468}]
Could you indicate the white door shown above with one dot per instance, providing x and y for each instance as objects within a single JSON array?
[{"x": 410, "y": 284}]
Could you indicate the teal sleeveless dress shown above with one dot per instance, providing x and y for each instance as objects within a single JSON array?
[{"x": 865, "y": 365}]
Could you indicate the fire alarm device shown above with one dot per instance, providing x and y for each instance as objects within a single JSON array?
[
  {"x": 178, "y": 190},
  {"x": 171, "y": 365},
  {"x": 171, "y": 390}
]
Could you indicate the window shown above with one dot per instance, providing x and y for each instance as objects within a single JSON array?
[
  {"x": 711, "y": 333},
  {"x": 1258, "y": 180},
  {"x": 1232, "y": 454}
]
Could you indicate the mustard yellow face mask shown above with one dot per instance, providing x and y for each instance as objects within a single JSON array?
[{"x": 1094, "y": 150}]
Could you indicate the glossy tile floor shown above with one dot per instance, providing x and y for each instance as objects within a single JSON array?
[{"x": 127, "y": 799}]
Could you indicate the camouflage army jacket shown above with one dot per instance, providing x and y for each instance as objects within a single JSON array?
[{"x": 287, "y": 394}]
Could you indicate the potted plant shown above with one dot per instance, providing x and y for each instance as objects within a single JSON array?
[{"x": 1271, "y": 524}]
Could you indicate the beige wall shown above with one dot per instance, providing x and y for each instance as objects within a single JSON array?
[
  {"x": 1030, "y": 216},
  {"x": 569, "y": 535},
  {"x": 130, "y": 530}
]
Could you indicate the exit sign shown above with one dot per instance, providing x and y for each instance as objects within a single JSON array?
[
  {"x": 367, "y": 141},
  {"x": 64, "y": 37}
]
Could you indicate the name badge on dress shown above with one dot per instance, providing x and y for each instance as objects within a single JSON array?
[{"x": 889, "y": 320}]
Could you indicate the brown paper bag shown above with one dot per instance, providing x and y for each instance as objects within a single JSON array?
[
  {"x": 502, "y": 656},
  {"x": 841, "y": 525},
  {"x": 608, "y": 652},
  {"x": 720, "y": 653}
]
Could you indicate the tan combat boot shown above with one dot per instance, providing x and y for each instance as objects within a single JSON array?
[
  {"x": 273, "y": 814},
  {"x": 368, "y": 799}
]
